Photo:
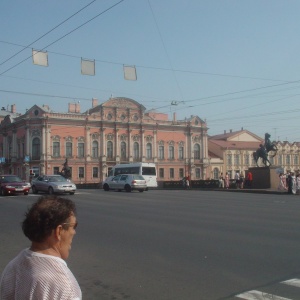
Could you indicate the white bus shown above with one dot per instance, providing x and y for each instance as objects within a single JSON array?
[{"x": 147, "y": 170}]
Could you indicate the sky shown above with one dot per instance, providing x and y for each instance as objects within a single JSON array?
[{"x": 233, "y": 63}]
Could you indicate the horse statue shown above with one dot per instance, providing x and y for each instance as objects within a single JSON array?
[
  {"x": 66, "y": 170},
  {"x": 269, "y": 145},
  {"x": 263, "y": 150}
]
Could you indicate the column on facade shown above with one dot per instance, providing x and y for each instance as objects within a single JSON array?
[
  {"x": 14, "y": 145},
  {"x": 5, "y": 146},
  {"x": 102, "y": 142},
  {"x": 130, "y": 150},
  {"x": 88, "y": 143},
  {"x": 142, "y": 143},
  {"x": 28, "y": 146},
  {"x": 154, "y": 144},
  {"x": 117, "y": 151},
  {"x": 43, "y": 144}
]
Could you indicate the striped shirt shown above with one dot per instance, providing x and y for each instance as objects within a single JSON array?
[{"x": 36, "y": 276}]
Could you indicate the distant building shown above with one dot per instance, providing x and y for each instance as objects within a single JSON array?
[
  {"x": 232, "y": 152},
  {"x": 119, "y": 130}
]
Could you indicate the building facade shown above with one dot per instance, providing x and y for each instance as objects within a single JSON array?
[{"x": 119, "y": 130}]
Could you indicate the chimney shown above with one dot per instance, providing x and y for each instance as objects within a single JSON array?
[
  {"x": 224, "y": 131},
  {"x": 77, "y": 107},
  {"x": 71, "y": 108},
  {"x": 174, "y": 117},
  {"x": 13, "y": 109},
  {"x": 230, "y": 130},
  {"x": 94, "y": 102}
]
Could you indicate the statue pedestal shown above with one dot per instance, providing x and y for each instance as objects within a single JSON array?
[{"x": 265, "y": 177}]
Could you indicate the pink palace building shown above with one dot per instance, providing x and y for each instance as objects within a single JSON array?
[{"x": 119, "y": 130}]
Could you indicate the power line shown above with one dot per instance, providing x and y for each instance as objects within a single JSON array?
[
  {"x": 47, "y": 32},
  {"x": 106, "y": 10}
]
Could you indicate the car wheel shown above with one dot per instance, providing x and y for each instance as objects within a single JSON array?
[
  {"x": 128, "y": 188},
  {"x": 34, "y": 190},
  {"x": 72, "y": 193},
  {"x": 26, "y": 193},
  {"x": 50, "y": 191},
  {"x": 2, "y": 193},
  {"x": 106, "y": 187},
  {"x": 141, "y": 191}
]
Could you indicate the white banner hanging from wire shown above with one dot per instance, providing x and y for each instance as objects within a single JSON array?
[
  {"x": 40, "y": 58},
  {"x": 87, "y": 67},
  {"x": 129, "y": 72}
]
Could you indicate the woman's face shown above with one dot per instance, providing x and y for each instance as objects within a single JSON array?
[{"x": 67, "y": 235}]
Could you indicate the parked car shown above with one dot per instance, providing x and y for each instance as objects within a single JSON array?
[
  {"x": 127, "y": 182},
  {"x": 53, "y": 184},
  {"x": 12, "y": 185}
]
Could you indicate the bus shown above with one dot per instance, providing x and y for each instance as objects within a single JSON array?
[{"x": 147, "y": 170}]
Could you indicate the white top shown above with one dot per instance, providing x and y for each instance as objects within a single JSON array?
[{"x": 36, "y": 276}]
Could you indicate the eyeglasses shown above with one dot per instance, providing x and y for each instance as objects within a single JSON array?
[{"x": 71, "y": 224}]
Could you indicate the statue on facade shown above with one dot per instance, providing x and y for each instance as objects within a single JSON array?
[
  {"x": 66, "y": 170},
  {"x": 263, "y": 151}
]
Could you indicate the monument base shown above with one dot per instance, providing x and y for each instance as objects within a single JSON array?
[{"x": 265, "y": 177}]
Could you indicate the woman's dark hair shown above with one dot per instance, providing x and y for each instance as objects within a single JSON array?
[{"x": 45, "y": 215}]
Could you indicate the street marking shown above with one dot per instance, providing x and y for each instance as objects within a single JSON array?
[
  {"x": 293, "y": 282},
  {"x": 257, "y": 295}
]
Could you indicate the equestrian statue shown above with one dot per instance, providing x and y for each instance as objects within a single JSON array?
[
  {"x": 66, "y": 170},
  {"x": 263, "y": 151}
]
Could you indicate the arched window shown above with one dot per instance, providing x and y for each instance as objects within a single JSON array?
[
  {"x": 123, "y": 150},
  {"x": 69, "y": 151},
  {"x": 161, "y": 151},
  {"x": 171, "y": 152},
  {"x": 197, "y": 151},
  {"x": 95, "y": 149},
  {"x": 109, "y": 149},
  {"x": 149, "y": 150},
  {"x": 216, "y": 173},
  {"x": 180, "y": 152},
  {"x": 136, "y": 150},
  {"x": 36, "y": 148},
  {"x": 56, "y": 149}
]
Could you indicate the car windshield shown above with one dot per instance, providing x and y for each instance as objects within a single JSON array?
[
  {"x": 11, "y": 179},
  {"x": 56, "y": 179}
]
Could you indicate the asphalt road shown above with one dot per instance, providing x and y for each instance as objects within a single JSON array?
[{"x": 174, "y": 244}]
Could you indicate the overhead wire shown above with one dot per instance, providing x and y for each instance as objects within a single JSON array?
[
  {"x": 62, "y": 37},
  {"x": 61, "y": 23}
]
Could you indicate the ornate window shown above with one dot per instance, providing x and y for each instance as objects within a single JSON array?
[
  {"x": 236, "y": 159},
  {"x": 123, "y": 150},
  {"x": 69, "y": 151},
  {"x": 36, "y": 148},
  {"x": 149, "y": 150},
  {"x": 161, "y": 152},
  {"x": 109, "y": 149},
  {"x": 197, "y": 151},
  {"x": 180, "y": 152},
  {"x": 198, "y": 173},
  {"x": 80, "y": 150},
  {"x": 288, "y": 159},
  {"x": 229, "y": 159},
  {"x": 136, "y": 150},
  {"x": 81, "y": 172},
  {"x": 56, "y": 149},
  {"x": 95, "y": 149},
  {"x": 216, "y": 173},
  {"x": 171, "y": 152}
]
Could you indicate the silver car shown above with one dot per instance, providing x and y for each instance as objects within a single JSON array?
[
  {"x": 127, "y": 182},
  {"x": 53, "y": 184}
]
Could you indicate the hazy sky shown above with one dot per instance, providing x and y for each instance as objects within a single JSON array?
[{"x": 233, "y": 63}]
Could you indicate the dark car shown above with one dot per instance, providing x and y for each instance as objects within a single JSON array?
[{"x": 12, "y": 185}]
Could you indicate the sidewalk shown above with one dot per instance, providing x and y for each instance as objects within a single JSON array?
[{"x": 255, "y": 191}]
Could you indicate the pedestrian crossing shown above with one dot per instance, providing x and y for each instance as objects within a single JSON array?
[{"x": 285, "y": 290}]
